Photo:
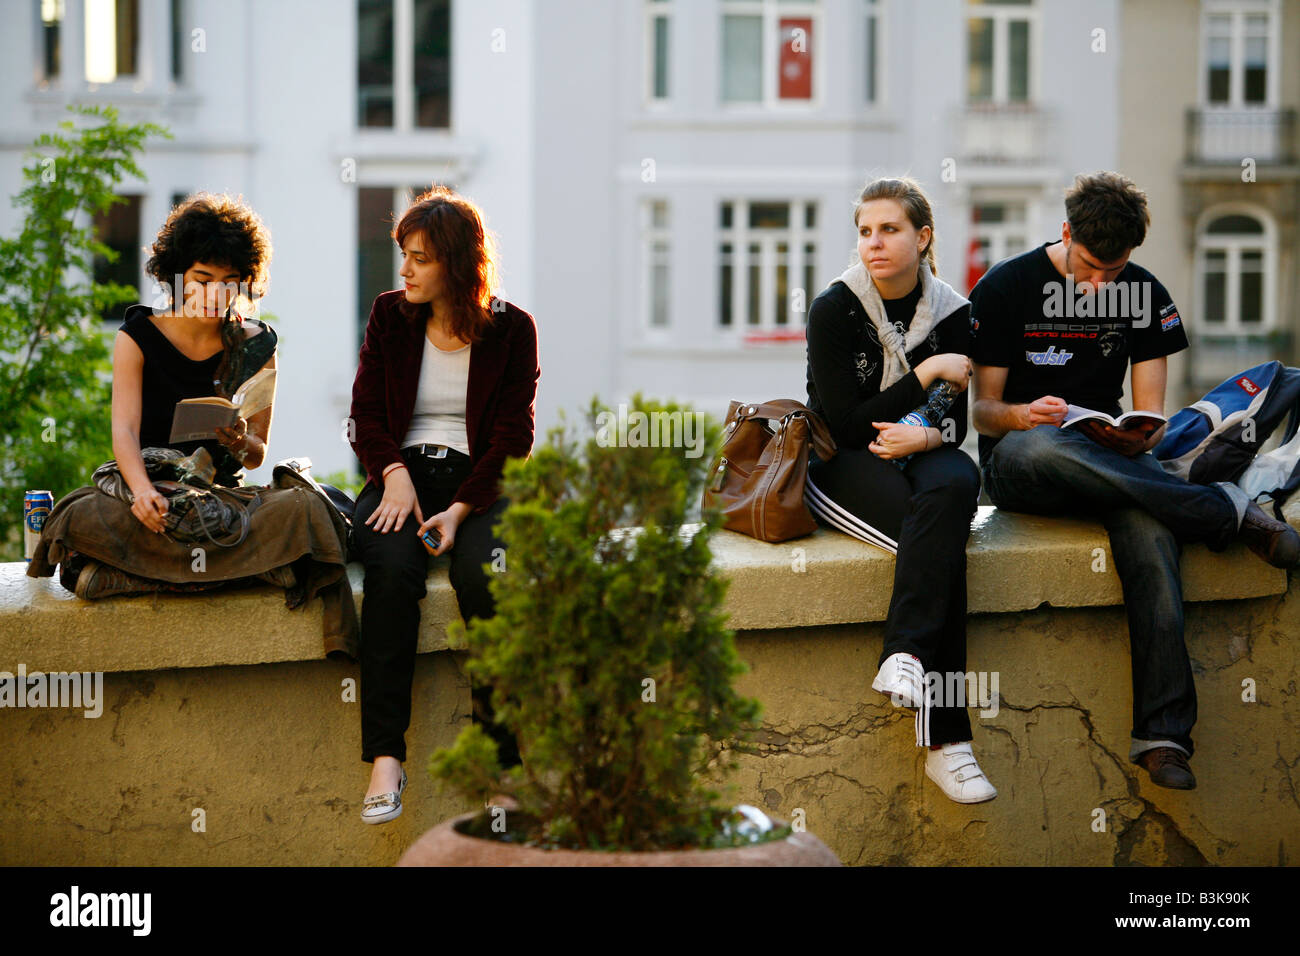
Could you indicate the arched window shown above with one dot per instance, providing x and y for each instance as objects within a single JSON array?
[{"x": 1235, "y": 267}]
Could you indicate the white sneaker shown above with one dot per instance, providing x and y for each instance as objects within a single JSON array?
[
  {"x": 383, "y": 807},
  {"x": 954, "y": 768},
  {"x": 903, "y": 678}
]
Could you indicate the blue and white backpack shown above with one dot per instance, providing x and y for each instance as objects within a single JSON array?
[{"x": 1219, "y": 437}]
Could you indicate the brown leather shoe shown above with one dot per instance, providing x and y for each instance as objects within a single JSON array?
[
  {"x": 1274, "y": 541},
  {"x": 1168, "y": 768}
]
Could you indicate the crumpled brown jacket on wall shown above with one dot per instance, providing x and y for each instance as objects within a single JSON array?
[{"x": 292, "y": 528}]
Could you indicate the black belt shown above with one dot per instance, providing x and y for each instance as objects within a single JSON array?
[{"x": 434, "y": 451}]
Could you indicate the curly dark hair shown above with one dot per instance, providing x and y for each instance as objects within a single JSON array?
[
  {"x": 1107, "y": 214},
  {"x": 221, "y": 230},
  {"x": 452, "y": 227}
]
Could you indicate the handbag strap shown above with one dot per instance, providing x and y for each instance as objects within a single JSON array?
[
  {"x": 240, "y": 504},
  {"x": 782, "y": 409}
]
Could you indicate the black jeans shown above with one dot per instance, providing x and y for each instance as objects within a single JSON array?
[
  {"x": 926, "y": 507},
  {"x": 1148, "y": 514},
  {"x": 397, "y": 566}
]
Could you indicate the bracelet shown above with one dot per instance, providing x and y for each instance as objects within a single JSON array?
[{"x": 391, "y": 468}]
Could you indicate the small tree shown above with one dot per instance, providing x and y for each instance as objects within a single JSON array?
[
  {"x": 55, "y": 375},
  {"x": 608, "y": 655}
]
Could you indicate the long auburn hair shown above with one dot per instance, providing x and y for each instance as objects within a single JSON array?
[
  {"x": 453, "y": 231},
  {"x": 908, "y": 193}
]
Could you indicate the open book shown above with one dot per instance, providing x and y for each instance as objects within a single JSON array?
[
  {"x": 1137, "y": 420},
  {"x": 199, "y": 418}
]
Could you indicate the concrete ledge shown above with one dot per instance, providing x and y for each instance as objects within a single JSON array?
[
  {"x": 1016, "y": 563},
  {"x": 222, "y": 703}
]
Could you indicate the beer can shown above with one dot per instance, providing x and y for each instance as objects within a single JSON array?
[{"x": 36, "y": 508}]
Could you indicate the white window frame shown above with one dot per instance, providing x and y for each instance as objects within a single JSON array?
[
  {"x": 403, "y": 73},
  {"x": 650, "y": 235},
  {"x": 1234, "y": 245},
  {"x": 657, "y": 10},
  {"x": 740, "y": 236},
  {"x": 143, "y": 56},
  {"x": 999, "y": 232},
  {"x": 1238, "y": 10},
  {"x": 153, "y": 57},
  {"x": 1002, "y": 15},
  {"x": 771, "y": 12}
]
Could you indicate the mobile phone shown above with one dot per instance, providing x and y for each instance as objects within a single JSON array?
[{"x": 432, "y": 540}]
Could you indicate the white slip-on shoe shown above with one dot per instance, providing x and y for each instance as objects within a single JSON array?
[
  {"x": 383, "y": 807},
  {"x": 954, "y": 768},
  {"x": 902, "y": 677}
]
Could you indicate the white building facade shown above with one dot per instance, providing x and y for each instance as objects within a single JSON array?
[{"x": 671, "y": 181}]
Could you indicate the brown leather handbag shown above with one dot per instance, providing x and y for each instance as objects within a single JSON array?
[{"x": 757, "y": 481}]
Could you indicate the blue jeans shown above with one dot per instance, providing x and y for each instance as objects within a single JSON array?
[{"x": 1149, "y": 515}]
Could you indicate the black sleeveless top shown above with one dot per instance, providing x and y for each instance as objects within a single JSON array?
[{"x": 168, "y": 376}]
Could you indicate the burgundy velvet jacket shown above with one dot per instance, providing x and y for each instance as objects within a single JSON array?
[{"x": 500, "y": 399}]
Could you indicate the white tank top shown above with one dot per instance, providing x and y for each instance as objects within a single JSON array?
[{"x": 439, "y": 417}]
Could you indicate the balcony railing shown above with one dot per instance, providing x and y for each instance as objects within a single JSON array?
[
  {"x": 1002, "y": 133},
  {"x": 1229, "y": 135}
]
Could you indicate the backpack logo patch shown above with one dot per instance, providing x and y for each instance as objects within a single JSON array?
[{"x": 1247, "y": 386}]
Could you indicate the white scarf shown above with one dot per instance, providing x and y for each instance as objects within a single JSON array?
[{"x": 938, "y": 301}]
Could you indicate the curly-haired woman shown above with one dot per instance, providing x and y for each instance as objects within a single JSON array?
[
  {"x": 444, "y": 394},
  {"x": 211, "y": 254}
]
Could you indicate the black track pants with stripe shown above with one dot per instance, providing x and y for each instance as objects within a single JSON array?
[{"x": 921, "y": 513}]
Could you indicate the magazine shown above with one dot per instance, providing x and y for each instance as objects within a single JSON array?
[
  {"x": 199, "y": 418},
  {"x": 1137, "y": 420}
]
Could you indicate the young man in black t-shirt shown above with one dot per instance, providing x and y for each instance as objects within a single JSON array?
[{"x": 1056, "y": 327}]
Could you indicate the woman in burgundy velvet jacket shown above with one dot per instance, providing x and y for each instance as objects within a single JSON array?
[{"x": 444, "y": 394}]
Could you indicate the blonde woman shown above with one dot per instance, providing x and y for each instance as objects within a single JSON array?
[{"x": 879, "y": 338}]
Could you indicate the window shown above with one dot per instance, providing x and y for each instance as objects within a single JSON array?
[
  {"x": 997, "y": 230},
  {"x": 180, "y": 40},
  {"x": 112, "y": 39},
  {"x": 432, "y": 55},
  {"x": 378, "y": 258},
  {"x": 374, "y": 63},
  {"x": 1235, "y": 262},
  {"x": 51, "y": 27},
  {"x": 1001, "y": 40},
  {"x": 1239, "y": 53},
  {"x": 655, "y": 227},
  {"x": 871, "y": 52},
  {"x": 766, "y": 260},
  {"x": 118, "y": 227},
  {"x": 404, "y": 64},
  {"x": 767, "y": 51},
  {"x": 657, "y": 36}
]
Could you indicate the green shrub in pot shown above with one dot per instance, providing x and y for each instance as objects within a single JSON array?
[{"x": 608, "y": 657}]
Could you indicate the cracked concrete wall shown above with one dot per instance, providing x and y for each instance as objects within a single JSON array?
[
  {"x": 1057, "y": 750},
  {"x": 271, "y": 753}
]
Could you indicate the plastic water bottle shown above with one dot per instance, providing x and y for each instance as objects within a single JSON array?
[{"x": 938, "y": 399}]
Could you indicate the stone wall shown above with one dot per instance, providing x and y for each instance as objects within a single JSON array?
[{"x": 222, "y": 704}]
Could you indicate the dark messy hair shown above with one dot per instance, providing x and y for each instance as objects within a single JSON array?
[
  {"x": 453, "y": 233},
  {"x": 907, "y": 193},
  {"x": 1107, "y": 214},
  {"x": 220, "y": 230}
]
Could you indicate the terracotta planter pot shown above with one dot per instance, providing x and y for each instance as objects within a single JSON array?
[{"x": 444, "y": 846}]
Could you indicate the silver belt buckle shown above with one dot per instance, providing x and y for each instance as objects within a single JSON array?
[{"x": 440, "y": 453}]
